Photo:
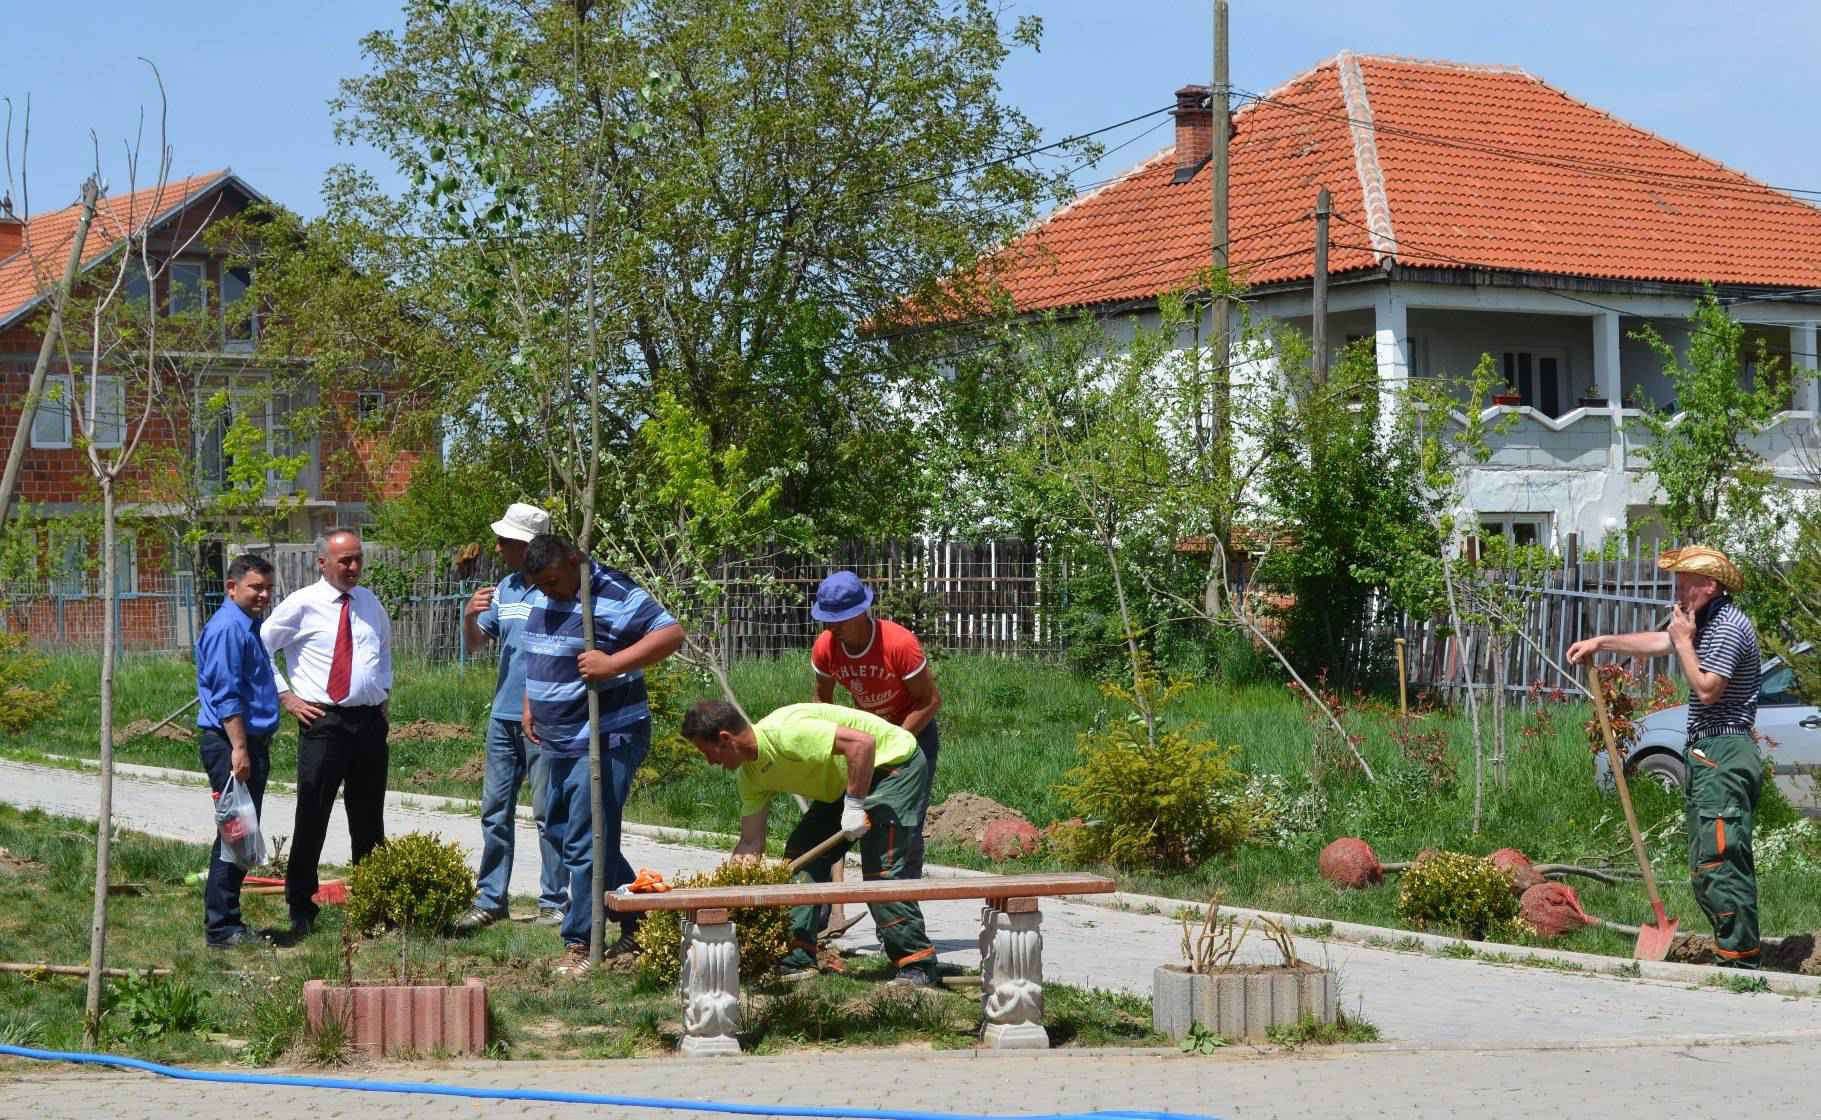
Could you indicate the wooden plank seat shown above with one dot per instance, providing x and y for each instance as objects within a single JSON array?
[{"x": 1011, "y": 945}]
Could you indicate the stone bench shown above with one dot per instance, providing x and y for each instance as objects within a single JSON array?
[{"x": 1011, "y": 945}]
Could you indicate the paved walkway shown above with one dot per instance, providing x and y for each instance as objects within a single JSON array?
[
  {"x": 1415, "y": 999},
  {"x": 1752, "y": 1080}
]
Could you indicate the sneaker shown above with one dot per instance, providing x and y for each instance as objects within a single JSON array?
[
  {"x": 548, "y": 916},
  {"x": 626, "y": 947},
  {"x": 477, "y": 919},
  {"x": 574, "y": 961},
  {"x": 797, "y": 965},
  {"x": 913, "y": 976},
  {"x": 237, "y": 937}
]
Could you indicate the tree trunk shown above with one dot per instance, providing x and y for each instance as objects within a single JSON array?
[
  {"x": 1473, "y": 709},
  {"x": 1500, "y": 706},
  {"x": 104, "y": 817}
]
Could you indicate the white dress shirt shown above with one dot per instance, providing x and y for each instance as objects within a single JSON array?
[{"x": 303, "y": 627}]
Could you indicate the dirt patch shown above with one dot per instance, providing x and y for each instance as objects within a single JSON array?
[
  {"x": 1796, "y": 953},
  {"x": 963, "y": 817},
  {"x": 473, "y": 770},
  {"x": 429, "y": 731},
  {"x": 174, "y": 731},
  {"x": 423, "y": 777},
  {"x": 11, "y": 864}
]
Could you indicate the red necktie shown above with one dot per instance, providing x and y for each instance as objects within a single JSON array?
[{"x": 341, "y": 668}]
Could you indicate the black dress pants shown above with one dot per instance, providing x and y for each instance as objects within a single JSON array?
[{"x": 343, "y": 749}]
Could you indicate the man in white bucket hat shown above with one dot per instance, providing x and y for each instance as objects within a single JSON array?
[{"x": 500, "y": 613}]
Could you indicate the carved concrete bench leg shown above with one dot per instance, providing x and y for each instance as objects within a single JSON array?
[
  {"x": 710, "y": 985},
  {"x": 1011, "y": 975}
]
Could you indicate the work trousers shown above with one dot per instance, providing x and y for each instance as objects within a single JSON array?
[
  {"x": 1724, "y": 777},
  {"x": 895, "y": 805},
  {"x": 929, "y": 740},
  {"x": 221, "y": 891},
  {"x": 344, "y": 749}
]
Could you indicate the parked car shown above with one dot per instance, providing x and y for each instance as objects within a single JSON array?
[{"x": 1790, "y": 731}]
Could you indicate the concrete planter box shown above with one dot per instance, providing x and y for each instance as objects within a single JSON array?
[
  {"x": 385, "y": 1019},
  {"x": 1242, "y": 1002}
]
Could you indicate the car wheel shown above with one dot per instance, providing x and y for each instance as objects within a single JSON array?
[{"x": 1664, "y": 769}]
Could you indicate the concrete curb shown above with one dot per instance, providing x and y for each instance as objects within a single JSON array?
[{"x": 1592, "y": 964}]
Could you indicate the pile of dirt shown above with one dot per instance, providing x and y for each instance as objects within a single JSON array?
[
  {"x": 429, "y": 731},
  {"x": 174, "y": 731},
  {"x": 423, "y": 777},
  {"x": 1796, "y": 953},
  {"x": 963, "y": 817},
  {"x": 473, "y": 770}
]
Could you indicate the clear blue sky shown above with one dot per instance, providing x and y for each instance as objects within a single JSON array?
[{"x": 249, "y": 83}]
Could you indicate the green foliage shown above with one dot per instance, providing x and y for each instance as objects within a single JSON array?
[
  {"x": 1799, "y": 622},
  {"x": 1310, "y": 1031},
  {"x": 445, "y": 507},
  {"x": 671, "y": 686},
  {"x": 1164, "y": 802},
  {"x": 21, "y": 702},
  {"x": 275, "y": 1021},
  {"x": 1202, "y": 1040},
  {"x": 414, "y": 881},
  {"x": 150, "y": 1007},
  {"x": 1463, "y": 894},
  {"x": 19, "y": 1029},
  {"x": 763, "y": 931}
]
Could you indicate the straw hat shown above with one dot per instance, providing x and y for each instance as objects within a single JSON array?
[{"x": 1701, "y": 561}]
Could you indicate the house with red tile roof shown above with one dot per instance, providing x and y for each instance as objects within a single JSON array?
[
  {"x": 1477, "y": 210},
  {"x": 344, "y": 470}
]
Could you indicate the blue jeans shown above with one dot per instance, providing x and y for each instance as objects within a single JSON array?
[
  {"x": 221, "y": 893},
  {"x": 510, "y": 760},
  {"x": 569, "y": 822}
]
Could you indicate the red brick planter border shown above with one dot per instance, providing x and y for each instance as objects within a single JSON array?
[{"x": 385, "y": 1019}]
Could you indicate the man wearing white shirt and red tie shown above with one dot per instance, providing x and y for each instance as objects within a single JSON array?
[{"x": 337, "y": 645}]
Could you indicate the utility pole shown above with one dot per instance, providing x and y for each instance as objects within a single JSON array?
[
  {"x": 1319, "y": 312},
  {"x": 1221, "y": 126}
]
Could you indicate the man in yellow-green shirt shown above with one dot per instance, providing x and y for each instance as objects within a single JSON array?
[{"x": 864, "y": 778}]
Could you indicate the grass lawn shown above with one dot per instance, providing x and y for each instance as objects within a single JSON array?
[
  {"x": 252, "y": 995},
  {"x": 1009, "y": 732}
]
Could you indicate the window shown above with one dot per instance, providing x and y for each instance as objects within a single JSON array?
[
  {"x": 1778, "y": 688},
  {"x": 108, "y": 427},
  {"x": 240, "y": 320},
  {"x": 51, "y": 419},
  {"x": 186, "y": 287},
  {"x": 1517, "y": 528},
  {"x": 370, "y": 404},
  {"x": 1540, "y": 378}
]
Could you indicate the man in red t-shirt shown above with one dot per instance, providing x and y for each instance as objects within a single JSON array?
[{"x": 882, "y": 665}]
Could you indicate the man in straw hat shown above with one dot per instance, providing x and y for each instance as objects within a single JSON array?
[{"x": 1717, "y": 649}]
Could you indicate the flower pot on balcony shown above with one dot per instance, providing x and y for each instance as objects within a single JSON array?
[
  {"x": 1507, "y": 398},
  {"x": 1591, "y": 401},
  {"x": 1244, "y": 1001},
  {"x": 382, "y": 1019}
]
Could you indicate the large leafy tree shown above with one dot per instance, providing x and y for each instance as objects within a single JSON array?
[{"x": 758, "y": 187}]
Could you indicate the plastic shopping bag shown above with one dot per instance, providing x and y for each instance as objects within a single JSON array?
[{"x": 237, "y": 822}]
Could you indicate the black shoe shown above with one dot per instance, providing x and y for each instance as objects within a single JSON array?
[
  {"x": 626, "y": 946},
  {"x": 235, "y": 938}
]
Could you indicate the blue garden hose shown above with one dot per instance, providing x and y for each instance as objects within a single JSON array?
[{"x": 428, "y": 1088}]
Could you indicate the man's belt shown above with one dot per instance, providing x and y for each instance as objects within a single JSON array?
[{"x": 1696, "y": 734}]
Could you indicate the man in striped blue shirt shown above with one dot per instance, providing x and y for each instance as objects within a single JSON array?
[{"x": 631, "y": 631}]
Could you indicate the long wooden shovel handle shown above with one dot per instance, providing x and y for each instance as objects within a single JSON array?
[
  {"x": 1618, "y": 775},
  {"x": 803, "y": 860}
]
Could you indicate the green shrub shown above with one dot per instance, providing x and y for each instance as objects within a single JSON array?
[
  {"x": 1168, "y": 805},
  {"x": 1774, "y": 809},
  {"x": 414, "y": 881},
  {"x": 670, "y": 686},
  {"x": 1460, "y": 893},
  {"x": 22, "y": 705},
  {"x": 763, "y": 931},
  {"x": 148, "y": 1007}
]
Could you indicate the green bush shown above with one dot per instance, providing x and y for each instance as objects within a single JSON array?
[
  {"x": 763, "y": 931},
  {"x": 22, "y": 705},
  {"x": 1168, "y": 805},
  {"x": 414, "y": 881},
  {"x": 149, "y": 1007},
  {"x": 670, "y": 687},
  {"x": 1460, "y": 893}
]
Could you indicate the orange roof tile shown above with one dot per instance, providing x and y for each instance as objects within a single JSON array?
[
  {"x": 1430, "y": 164},
  {"x": 38, "y": 265}
]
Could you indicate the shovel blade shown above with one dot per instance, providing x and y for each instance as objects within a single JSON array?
[{"x": 1654, "y": 940}]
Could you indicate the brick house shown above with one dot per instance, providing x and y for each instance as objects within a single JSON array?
[
  {"x": 1478, "y": 210},
  {"x": 182, "y": 452}
]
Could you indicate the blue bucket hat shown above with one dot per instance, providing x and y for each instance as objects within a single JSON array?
[{"x": 840, "y": 597}]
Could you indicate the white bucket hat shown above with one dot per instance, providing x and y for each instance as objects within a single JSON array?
[{"x": 522, "y": 522}]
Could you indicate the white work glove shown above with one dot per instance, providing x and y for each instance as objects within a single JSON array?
[{"x": 853, "y": 817}]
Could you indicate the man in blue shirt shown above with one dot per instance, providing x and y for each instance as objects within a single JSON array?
[
  {"x": 631, "y": 632},
  {"x": 500, "y": 613},
  {"x": 238, "y": 713}
]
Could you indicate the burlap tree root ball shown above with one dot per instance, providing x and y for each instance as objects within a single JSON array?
[
  {"x": 1349, "y": 863},
  {"x": 1516, "y": 864},
  {"x": 1553, "y": 909}
]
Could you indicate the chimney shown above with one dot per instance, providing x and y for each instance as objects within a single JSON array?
[
  {"x": 1194, "y": 114},
  {"x": 12, "y": 230}
]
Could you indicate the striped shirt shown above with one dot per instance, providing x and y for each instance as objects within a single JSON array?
[
  {"x": 503, "y": 620},
  {"x": 1727, "y": 646},
  {"x": 552, "y": 639}
]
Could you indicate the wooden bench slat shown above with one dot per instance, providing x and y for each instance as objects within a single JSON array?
[{"x": 875, "y": 890}]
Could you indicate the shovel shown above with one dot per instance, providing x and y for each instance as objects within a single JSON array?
[{"x": 1653, "y": 941}]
